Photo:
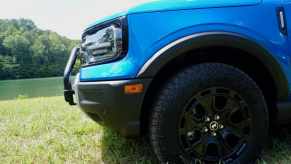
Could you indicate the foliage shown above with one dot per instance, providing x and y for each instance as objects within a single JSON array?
[{"x": 28, "y": 52}]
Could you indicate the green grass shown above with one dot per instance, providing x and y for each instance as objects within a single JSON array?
[{"x": 47, "y": 130}]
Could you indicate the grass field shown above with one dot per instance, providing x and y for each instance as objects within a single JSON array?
[{"x": 47, "y": 130}]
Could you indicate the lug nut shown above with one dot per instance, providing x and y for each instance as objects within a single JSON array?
[
  {"x": 190, "y": 134},
  {"x": 221, "y": 126},
  {"x": 217, "y": 117},
  {"x": 214, "y": 134},
  {"x": 205, "y": 130},
  {"x": 207, "y": 119}
]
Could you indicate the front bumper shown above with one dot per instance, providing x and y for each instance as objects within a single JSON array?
[{"x": 106, "y": 102}]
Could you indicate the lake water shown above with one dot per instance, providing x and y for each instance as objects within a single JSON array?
[{"x": 43, "y": 87}]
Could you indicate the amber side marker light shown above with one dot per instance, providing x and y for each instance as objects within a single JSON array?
[{"x": 133, "y": 88}]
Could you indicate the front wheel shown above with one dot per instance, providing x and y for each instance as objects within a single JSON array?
[{"x": 209, "y": 113}]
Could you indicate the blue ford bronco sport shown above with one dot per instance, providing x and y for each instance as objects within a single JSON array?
[{"x": 205, "y": 80}]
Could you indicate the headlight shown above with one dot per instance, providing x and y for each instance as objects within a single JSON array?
[{"x": 105, "y": 43}]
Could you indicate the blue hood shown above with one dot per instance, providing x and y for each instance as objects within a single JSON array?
[
  {"x": 167, "y": 5},
  {"x": 163, "y": 5}
]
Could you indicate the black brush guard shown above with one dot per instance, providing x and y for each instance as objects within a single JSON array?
[{"x": 68, "y": 90}]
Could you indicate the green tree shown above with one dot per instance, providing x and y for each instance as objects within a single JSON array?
[
  {"x": 28, "y": 52},
  {"x": 19, "y": 47}
]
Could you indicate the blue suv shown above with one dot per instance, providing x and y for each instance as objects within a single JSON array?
[{"x": 205, "y": 80}]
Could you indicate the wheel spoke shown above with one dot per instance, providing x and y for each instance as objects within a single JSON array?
[
  {"x": 206, "y": 103},
  {"x": 244, "y": 123},
  {"x": 190, "y": 123},
  {"x": 199, "y": 147},
  {"x": 188, "y": 116},
  {"x": 241, "y": 129},
  {"x": 239, "y": 108},
  {"x": 222, "y": 139},
  {"x": 239, "y": 120},
  {"x": 230, "y": 105},
  {"x": 233, "y": 136}
]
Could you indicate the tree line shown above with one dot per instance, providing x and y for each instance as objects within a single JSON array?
[{"x": 29, "y": 52}]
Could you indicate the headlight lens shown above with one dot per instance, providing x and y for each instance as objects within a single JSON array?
[{"x": 105, "y": 43}]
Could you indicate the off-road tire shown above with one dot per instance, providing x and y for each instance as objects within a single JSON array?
[{"x": 176, "y": 93}]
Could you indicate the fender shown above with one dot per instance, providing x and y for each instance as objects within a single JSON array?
[{"x": 209, "y": 39}]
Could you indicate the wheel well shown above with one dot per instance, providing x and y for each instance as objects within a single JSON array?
[{"x": 231, "y": 56}]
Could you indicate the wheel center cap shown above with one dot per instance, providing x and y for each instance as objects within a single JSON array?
[{"x": 213, "y": 126}]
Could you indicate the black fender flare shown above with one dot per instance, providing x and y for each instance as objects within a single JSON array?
[{"x": 209, "y": 39}]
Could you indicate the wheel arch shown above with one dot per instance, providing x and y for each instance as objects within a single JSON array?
[
  {"x": 183, "y": 46},
  {"x": 199, "y": 48}
]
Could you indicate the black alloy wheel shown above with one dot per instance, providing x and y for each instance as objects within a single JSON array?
[{"x": 215, "y": 125}]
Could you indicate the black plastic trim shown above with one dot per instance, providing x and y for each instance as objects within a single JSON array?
[
  {"x": 210, "y": 39},
  {"x": 106, "y": 103},
  {"x": 68, "y": 91},
  {"x": 284, "y": 112}
]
